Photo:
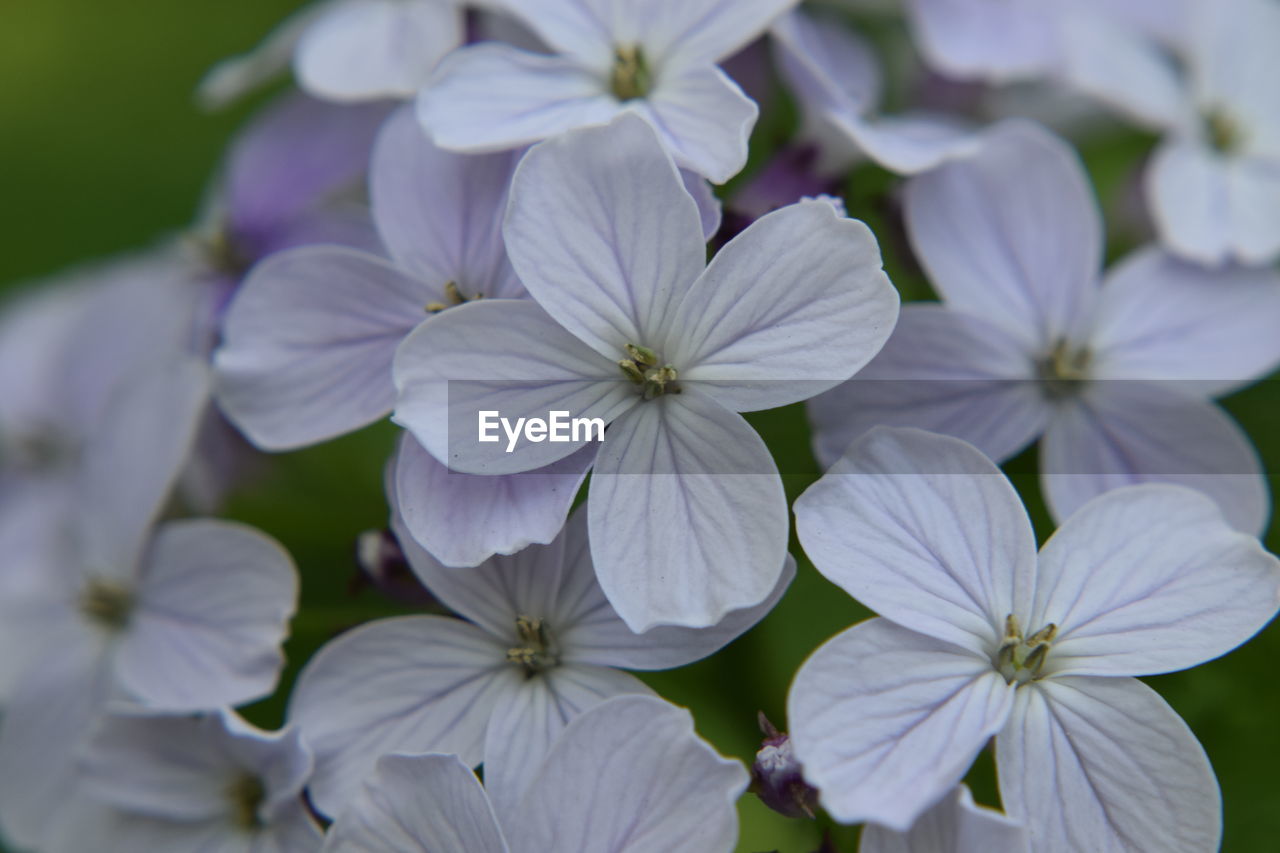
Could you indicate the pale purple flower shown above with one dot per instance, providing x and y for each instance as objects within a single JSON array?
[
  {"x": 654, "y": 58},
  {"x": 688, "y": 518},
  {"x": 628, "y": 776},
  {"x": 1116, "y": 380},
  {"x": 190, "y": 784},
  {"x": 345, "y": 51},
  {"x": 539, "y": 645},
  {"x": 836, "y": 79},
  {"x": 181, "y": 617},
  {"x": 954, "y": 825},
  {"x": 978, "y": 636}
]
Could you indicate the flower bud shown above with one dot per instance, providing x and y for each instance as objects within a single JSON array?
[{"x": 776, "y": 776}]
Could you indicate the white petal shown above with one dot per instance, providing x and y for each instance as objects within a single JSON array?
[
  {"x": 709, "y": 208},
  {"x": 1124, "y": 433},
  {"x": 700, "y": 30},
  {"x": 1151, "y": 579},
  {"x": 409, "y": 684},
  {"x": 704, "y": 120},
  {"x": 308, "y": 342},
  {"x": 828, "y": 66},
  {"x": 954, "y": 825},
  {"x": 886, "y": 721},
  {"x": 529, "y": 366},
  {"x": 236, "y": 76},
  {"x": 213, "y": 607},
  {"x": 971, "y": 39},
  {"x": 526, "y": 724},
  {"x": 491, "y": 97},
  {"x": 910, "y": 143},
  {"x": 1190, "y": 200},
  {"x": 376, "y": 48},
  {"x": 1233, "y": 59},
  {"x": 631, "y": 775},
  {"x": 791, "y": 306},
  {"x": 418, "y": 804},
  {"x": 924, "y": 530},
  {"x": 1160, "y": 318},
  {"x": 941, "y": 371},
  {"x": 464, "y": 519},
  {"x": 1104, "y": 764},
  {"x": 1011, "y": 235},
  {"x": 440, "y": 213},
  {"x": 604, "y": 235},
  {"x": 1254, "y": 185},
  {"x": 687, "y": 514}
]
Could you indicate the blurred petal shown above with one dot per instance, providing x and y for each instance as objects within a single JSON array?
[
  {"x": 886, "y": 721},
  {"x": 1012, "y": 234},
  {"x": 827, "y": 65},
  {"x": 1123, "y": 433},
  {"x": 703, "y": 119},
  {"x": 409, "y": 684},
  {"x": 308, "y": 343},
  {"x": 790, "y": 307},
  {"x": 954, "y": 825},
  {"x": 631, "y": 775},
  {"x": 604, "y": 235},
  {"x": 1150, "y": 579},
  {"x": 940, "y": 371},
  {"x": 701, "y": 30},
  {"x": 1106, "y": 764},
  {"x": 924, "y": 530},
  {"x": 1190, "y": 200},
  {"x": 1254, "y": 185},
  {"x": 709, "y": 210},
  {"x": 910, "y": 143},
  {"x": 687, "y": 514},
  {"x": 971, "y": 40}
]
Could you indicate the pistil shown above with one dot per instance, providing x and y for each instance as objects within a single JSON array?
[
  {"x": 1022, "y": 659},
  {"x": 642, "y": 367},
  {"x": 630, "y": 78},
  {"x": 536, "y": 651}
]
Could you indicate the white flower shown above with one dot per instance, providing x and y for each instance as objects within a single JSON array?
[
  {"x": 954, "y": 825},
  {"x": 628, "y": 776},
  {"x": 979, "y": 637}
]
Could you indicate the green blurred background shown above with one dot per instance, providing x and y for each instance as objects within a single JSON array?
[{"x": 104, "y": 150}]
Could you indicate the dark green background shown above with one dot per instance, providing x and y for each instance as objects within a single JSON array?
[{"x": 103, "y": 150}]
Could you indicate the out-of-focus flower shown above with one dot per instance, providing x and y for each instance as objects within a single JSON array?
[
  {"x": 628, "y": 776},
  {"x": 954, "y": 825},
  {"x": 978, "y": 636}
]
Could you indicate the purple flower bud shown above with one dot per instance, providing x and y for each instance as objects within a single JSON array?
[
  {"x": 383, "y": 565},
  {"x": 776, "y": 776}
]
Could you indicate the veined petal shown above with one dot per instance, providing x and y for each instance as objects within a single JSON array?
[
  {"x": 440, "y": 213},
  {"x": 886, "y": 721},
  {"x": 418, "y": 804},
  {"x": 926, "y": 531},
  {"x": 464, "y": 519},
  {"x": 1151, "y": 579},
  {"x": 493, "y": 97},
  {"x": 408, "y": 684},
  {"x": 792, "y": 306},
  {"x": 212, "y": 608},
  {"x": 604, "y": 235},
  {"x": 509, "y": 359},
  {"x": 954, "y": 825},
  {"x": 700, "y": 30},
  {"x": 687, "y": 514},
  {"x": 1104, "y": 764},
  {"x": 376, "y": 48},
  {"x": 308, "y": 343},
  {"x": 1012, "y": 234},
  {"x": 703, "y": 118},
  {"x": 523, "y": 728},
  {"x": 941, "y": 371},
  {"x": 630, "y": 775},
  {"x": 704, "y": 196},
  {"x": 1125, "y": 433}
]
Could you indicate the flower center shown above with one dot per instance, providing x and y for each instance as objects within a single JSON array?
[
  {"x": 630, "y": 78},
  {"x": 246, "y": 794},
  {"x": 454, "y": 297},
  {"x": 221, "y": 253},
  {"x": 1223, "y": 130},
  {"x": 1021, "y": 659},
  {"x": 1064, "y": 369},
  {"x": 643, "y": 367},
  {"x": 38, "y": 448},
  {"x": 107, "y": 603},
  {"x": 536, "y": 651}
]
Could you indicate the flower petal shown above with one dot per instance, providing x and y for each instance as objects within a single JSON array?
[
  {"x": 970, "y": 40},
  {"x": 954, "y": 825},
  {"x": 1188, "y": 192},
  {"x": 213, "y": 607},
  {"x": 408, "y": 684},
  {"x": 630, "y": 775},
  {"x": 827, "y": 65},
  {"x": 1124, "y": 433},
  {"x": 604, "y": 235},
  {"x": 924, "y": 530},
  {"x": 1011, "y": 235},
  {"x": 1150, "y": 579},
  {"x": 418, "y": 803},
  {"x": 308, "y": 342},
  {"x": 909, "y": 143},
  {"x": 703, "y": 118},
  {"x": 941, "y": 371},
  {"x": 1254, "y": 185},
  {"x": 687, "y": 514},
  {"x": 1106, "y": 764},
  {"x": 509, "y": 359},
  {"x": 886, "y": 721}
]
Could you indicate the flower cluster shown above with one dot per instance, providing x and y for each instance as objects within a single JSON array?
[{"x": 486, "y": 227}]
